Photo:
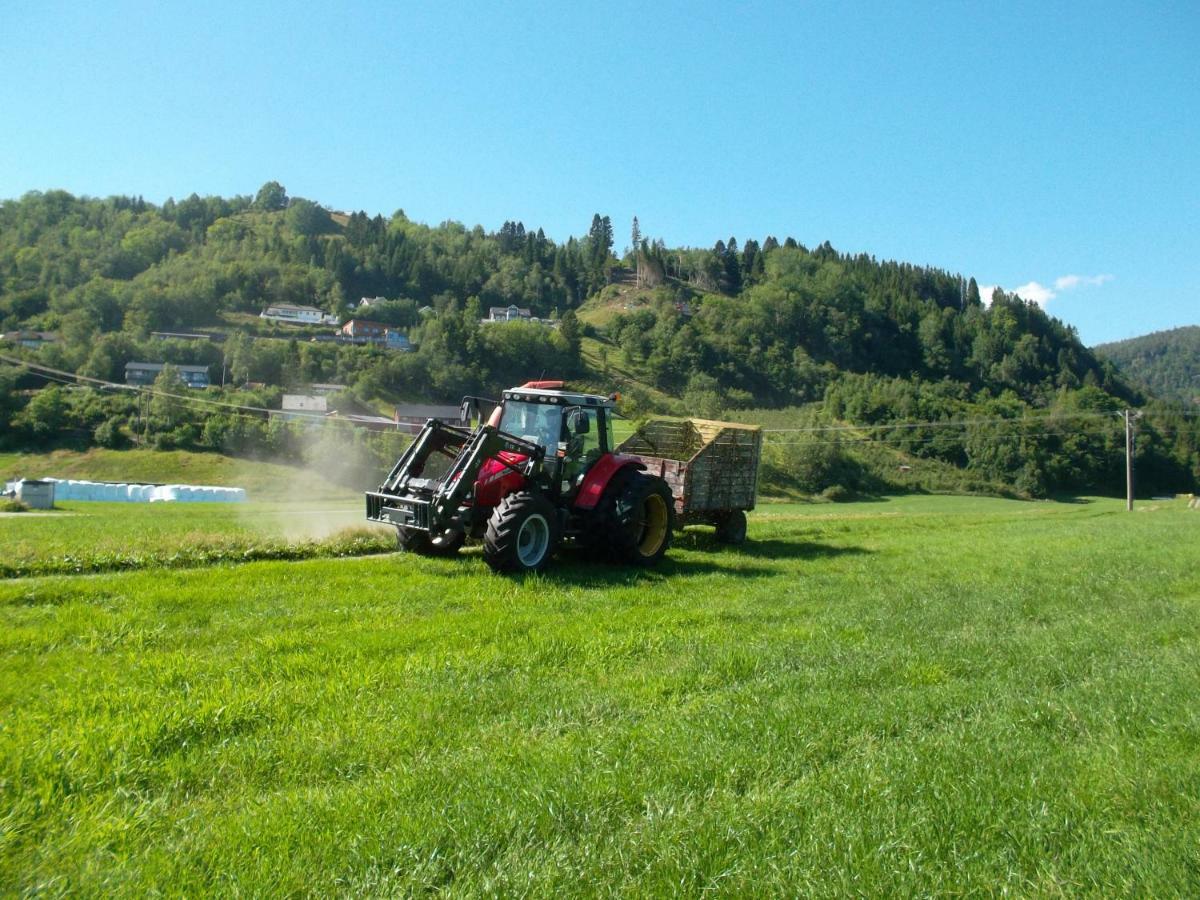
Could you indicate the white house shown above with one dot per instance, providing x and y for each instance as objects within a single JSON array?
[
  {"x": 302, "y": 406},
  {"x": 297, "y": 315},
  {"x": 512, "y": 313}
]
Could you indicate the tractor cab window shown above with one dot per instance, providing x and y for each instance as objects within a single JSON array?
[
  {"x": 538, "y": 423},
  {"x": 585, "y": 442}
]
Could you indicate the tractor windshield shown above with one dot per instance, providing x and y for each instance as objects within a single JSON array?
[{"x": 538, "y": 423}]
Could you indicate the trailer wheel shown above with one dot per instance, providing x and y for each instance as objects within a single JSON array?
[
  {"x": 635, "y": 522},
  {"x": 522, "y": 533},
  {"x": 731, "y": 527},
  {"x": 413, "y": 540}
]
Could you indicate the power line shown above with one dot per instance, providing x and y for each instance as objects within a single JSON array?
[{"x": 49, "y": 374}]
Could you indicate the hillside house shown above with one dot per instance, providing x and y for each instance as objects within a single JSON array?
[
  {"x": 29, "y": 338},
  {"x": 302, "y": 406},
  {"x": 364, "y": 331},
  {"x": 143, "y": 373},
  {"x": 179, "y": 336},
  {"x": 297, "y": 315},
  {"x": 508, "y": 314},
  {"x": 411, "y": 417}
]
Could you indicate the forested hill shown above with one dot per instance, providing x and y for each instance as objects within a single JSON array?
[
  {"x": 773, "y": 322},
  {"x": 1167, "y": 363},
  {"x": 718, "y": 331}
]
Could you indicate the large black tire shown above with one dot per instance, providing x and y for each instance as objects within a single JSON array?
[
  {"x": 522, "y": 533},
  {"x": 413, "y": 540},
  {"x": 731, "y": 527},
  {"x": 635, "y": 518}
]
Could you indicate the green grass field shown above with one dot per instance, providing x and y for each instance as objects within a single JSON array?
[{"x": 930, "y": 695}]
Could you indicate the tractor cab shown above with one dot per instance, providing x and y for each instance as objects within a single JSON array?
[{"x": 574, "y": 430}]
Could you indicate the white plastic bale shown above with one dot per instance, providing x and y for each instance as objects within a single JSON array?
[{"x": 114, "y": 492}]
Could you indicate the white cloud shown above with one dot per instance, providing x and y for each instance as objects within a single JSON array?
[
  {"x": 1070, "y": 282},
  {"x": 1035, "y": 293}
]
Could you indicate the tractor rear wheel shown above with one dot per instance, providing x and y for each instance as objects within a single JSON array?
[
  {"x": 522, "y": 533},
  {"x": 636, "y": 522},
  {"x": 414, "y": 540},
  {"x": 731, "y": 527}
]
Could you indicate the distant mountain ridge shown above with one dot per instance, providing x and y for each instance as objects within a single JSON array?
[{"x": 1166, "y": 363}]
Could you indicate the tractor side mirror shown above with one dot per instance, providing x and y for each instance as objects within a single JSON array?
[{"x": 578, "y": 422}]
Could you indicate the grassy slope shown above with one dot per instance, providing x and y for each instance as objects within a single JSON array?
[
  {"x": 913, "y": 696},
  {"x": 260, "y": 479},
  {"x": 613, "y": 372}
]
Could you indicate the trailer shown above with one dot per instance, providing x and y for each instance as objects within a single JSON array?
[{"x": 711, "y": 468}]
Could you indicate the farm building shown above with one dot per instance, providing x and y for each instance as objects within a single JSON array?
[
  {"x": 411, "y": 417},
  {"x": 373, "y": 423},
  {"x": 34, "y": 493}
]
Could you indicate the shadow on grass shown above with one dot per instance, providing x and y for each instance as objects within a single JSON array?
[
  {"x": 574, "y": 568},
  {"x": 577, "y": 568},
  {"x": 706, "y": 542}
]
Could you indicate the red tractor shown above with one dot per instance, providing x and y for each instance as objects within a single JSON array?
[{"x": 542, "y": 470}]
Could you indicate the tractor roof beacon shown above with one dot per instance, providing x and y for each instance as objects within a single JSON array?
[{"x": 541, "y": 470}]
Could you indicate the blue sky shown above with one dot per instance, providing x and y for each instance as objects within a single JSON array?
[{"x": 1052, "y": 148}]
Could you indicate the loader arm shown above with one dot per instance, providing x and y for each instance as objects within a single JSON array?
[{"x": 409, "y": 499}]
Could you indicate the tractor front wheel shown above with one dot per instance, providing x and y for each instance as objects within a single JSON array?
[{"x": 522, "y": 533}]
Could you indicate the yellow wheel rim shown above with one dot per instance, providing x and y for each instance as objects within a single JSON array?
[{"x": 654, "y": 525}]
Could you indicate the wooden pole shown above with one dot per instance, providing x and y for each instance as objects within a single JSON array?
[{"x": 1128, "y": 463}]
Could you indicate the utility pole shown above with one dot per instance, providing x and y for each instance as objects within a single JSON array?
[{"x": 1130, "y": 418}]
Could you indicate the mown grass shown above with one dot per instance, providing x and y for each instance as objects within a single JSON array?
[
  {"x": 96, "y": 537},
  {"x": 924, "y": 696}
]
